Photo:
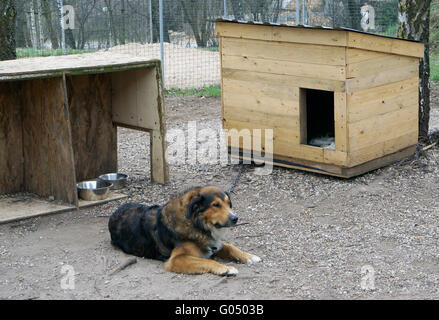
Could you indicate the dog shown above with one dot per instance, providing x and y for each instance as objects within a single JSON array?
[{"x": 185, "y": 233}]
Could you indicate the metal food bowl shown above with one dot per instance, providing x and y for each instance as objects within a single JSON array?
[
  {"x": 119, "y": 180},
  {"x": 94, "y": 190}
]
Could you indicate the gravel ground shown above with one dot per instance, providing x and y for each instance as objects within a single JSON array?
[{"x": 317, "y": 235}]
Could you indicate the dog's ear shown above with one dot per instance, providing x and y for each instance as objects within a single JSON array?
[
  {"x": 230, "y": 199},
  {"x": 194, "y": 206}
]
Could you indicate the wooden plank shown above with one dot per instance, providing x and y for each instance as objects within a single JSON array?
[
  {"x": 400, "y": 95},
  {"x": 284, "y": 80},
  {"x": 295, "y": 52},
  {"x": 379, "y": 129},
  {"x": 382, "y": 78},
  {"x": 303, "y": 116},
  {"x": 288, "y": 124},
  {"x": 381, "y": 149},
  {"x": 94, "y": 135},
  {"x": 358, "y": 55},
  {"x": 262, "y": 103},
  {"x": 281, "y": 146},
  {"x": 369, "y": 42},
  {"x": 407, "y": 48},
  {"x": 387, "y": 45},
  {"x": 340, "y": 118},
  {"x": 379, "y": 93},
  {"x": 138, "y": 102},
  {"x": 75, "y": 64},
  {"x": 293, "y": 163},
  {"x": 222, "y": 75},
  {"x": 285, "y": 34},
  {"x": 261, "y": 89},
  {"x": 11, "y": 139},
  {"x": 135, "y": 98},
  {"x": 159, "y": 146},
  {"x": 159, "y": 163},
  {"x": 297, "y": 69},
  {"x": 376, "y": 163},
  {"x": 48, "y": 160},
  {"x": 335, "y": 157},
  {"x": 401, "y": 142},
  {"x": 382, "y": 64},
  {"x": 290, "y": 135},
  {"x": 25, "y": 207}
]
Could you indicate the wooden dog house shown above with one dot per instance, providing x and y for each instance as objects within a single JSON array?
[
  {"x": 59, "y": 116},
  {"x": 359, "y": 89}
]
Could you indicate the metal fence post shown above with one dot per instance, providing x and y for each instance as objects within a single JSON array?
[
  {"x": 225, "y": 9},
  {"x": 304, "y": 12},
  {"x": 150, "y": 22},
  {"x": 297, "y": 12},
  {"x": 162, "y": 52}
]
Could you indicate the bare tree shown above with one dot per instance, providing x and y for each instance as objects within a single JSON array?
[
  {"x": 47, "y": 13},
  {"x": 7, "y": 29},
  {"x": 109, "y": 6},
  {"x": 414, "y": 24},
  {"x": 257, "y": 10},
  {"x": 83, "y": 13},
  {"x": 195, "y": 13}
]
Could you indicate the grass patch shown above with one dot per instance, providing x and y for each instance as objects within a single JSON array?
[
  {"x": 391, "y": 31},
  {"x": 207, "y": 91},
  {"x": 31, "y": 52},
  {"x": 215, "y": 49},
  {"x": 434, "y": 67}
]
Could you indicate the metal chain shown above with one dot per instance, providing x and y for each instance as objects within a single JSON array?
[{"x": 235, "y": 181}]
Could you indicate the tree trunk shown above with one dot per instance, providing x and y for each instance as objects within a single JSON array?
[
  {"x": 70, "y": 39},
  {"x": 33, "y": 26},
  {"x": 196, "y": 14},
  {"x": 21, "y": 32},
  {"x": 48, "y": 20},
  {"x": 111, "y": 22},
  {"x": 38, "y": 23},
  {"x": 414, "y": 24},
  {"x": 7, "y": 29},
  {"x": 156, "y": 21},
  {"x": 238, "y": 9},
  {"x": 122, "y": 34}
]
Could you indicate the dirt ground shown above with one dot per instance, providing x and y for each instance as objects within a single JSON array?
[{"x": 370, "y": 237}]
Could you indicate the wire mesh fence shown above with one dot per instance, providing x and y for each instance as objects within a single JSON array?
[{"x": 180, "y": 32}]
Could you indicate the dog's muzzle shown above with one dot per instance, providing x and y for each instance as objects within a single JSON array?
[{"x": 233, "y": 219}]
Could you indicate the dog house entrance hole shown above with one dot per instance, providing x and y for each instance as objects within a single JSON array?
[{"x": 317, "y": 118}]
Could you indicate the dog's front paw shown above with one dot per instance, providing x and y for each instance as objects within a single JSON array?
[
  {"x": 232, "y": 271},
  {"x": 227, "y": 271},
  {"x": 253, "y": 259}
]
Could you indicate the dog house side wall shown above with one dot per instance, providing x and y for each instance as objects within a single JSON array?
[
  {"x": 47, "y": 153},
  {"x": 382, "y": 103},
  {"x": 11, "y": 139},
  {"x": 262, "y": 73},
  {"x": 94, "y": 136}
]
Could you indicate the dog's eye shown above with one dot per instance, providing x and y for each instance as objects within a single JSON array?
[{"x": 217, "y": 205}]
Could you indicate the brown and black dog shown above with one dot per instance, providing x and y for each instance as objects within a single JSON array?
[{"x": 186, "y": 232}]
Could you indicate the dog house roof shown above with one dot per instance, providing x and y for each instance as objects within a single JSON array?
[
  {"x": 382, "y": 43},
  {"x": 53, "y": 66}
]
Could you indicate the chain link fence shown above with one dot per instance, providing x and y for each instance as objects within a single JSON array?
[{"x": 180, "y": 32}]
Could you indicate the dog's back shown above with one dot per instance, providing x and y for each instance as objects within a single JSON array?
[{"x": 132, "y": 227}]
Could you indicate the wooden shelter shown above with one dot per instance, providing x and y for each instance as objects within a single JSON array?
[
  {"x": 307, "y": 83},
  {"x": 58, "y": 120}
]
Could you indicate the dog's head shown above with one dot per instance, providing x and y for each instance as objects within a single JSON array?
[{"x": 211, "y": 207}]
